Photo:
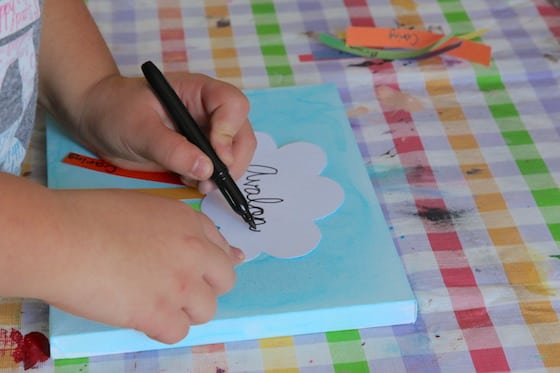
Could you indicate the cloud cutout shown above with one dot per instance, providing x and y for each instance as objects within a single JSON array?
[{"x": 286, "y": 194}]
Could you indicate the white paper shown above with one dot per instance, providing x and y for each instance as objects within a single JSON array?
[{"x": 286, "y": 194}]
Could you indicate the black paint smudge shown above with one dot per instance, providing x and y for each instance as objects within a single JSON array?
[
  {"x": 439, "y": 215},
  {"x": 368, "y": 63},
  {"x": 223, "y": 22},
  {"x": 473, "y": 171},
  {"x": 391, "y": 153}
]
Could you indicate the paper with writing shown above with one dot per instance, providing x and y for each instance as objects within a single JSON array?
[
  {"x": 286, "y": 194},
  {"x": 380, "y": 37}
]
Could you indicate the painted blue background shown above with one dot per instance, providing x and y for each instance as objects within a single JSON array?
[{"x": 353, "y": 279}]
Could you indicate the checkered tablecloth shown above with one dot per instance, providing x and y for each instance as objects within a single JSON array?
[{"x": 465, "y": 160}]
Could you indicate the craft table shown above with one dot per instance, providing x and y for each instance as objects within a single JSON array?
[{"x": 464, "y": 158}]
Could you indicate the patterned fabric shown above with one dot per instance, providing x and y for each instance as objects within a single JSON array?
[
  {"x": 463, "y": 158},
  {"x": 19, "y": 41}
]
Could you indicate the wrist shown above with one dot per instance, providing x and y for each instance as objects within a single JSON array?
[{"x": 31, "y": 233}]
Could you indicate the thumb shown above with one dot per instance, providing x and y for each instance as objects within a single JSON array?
[
  {"x": 237, "y": 255},
  {"x": 168, "y": 327}
]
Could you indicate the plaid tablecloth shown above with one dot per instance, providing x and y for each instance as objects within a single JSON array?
[{"x": 465, "y": 160}]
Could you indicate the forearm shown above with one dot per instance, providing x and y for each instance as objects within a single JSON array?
[
  {"x": 73, "y": 58},
  {"x": 30, "y": 232}
]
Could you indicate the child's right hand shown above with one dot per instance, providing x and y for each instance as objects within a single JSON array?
[{"x": 137, "y": 261}]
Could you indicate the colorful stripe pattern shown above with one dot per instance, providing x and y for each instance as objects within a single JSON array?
[
  {"x": 457, "y": 276},
  {"x": 272, "y": 47},
  {"x": 463, "y": 158},
  {"x": 220, "y": 32},
  {"x": 10, "y": 317},
  {"x": 172, "y": 34},
  {"x": 509, "y": 114}
]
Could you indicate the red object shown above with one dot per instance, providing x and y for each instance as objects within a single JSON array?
[
  {"x": 31, "y": 349},
  {"x": 100, "y": 165}
]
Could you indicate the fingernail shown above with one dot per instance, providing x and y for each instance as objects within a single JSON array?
[
  {"x": 202, "y": 168},
  {"x": 206, "y": 186},
  {"x": 238, "y": 254}
]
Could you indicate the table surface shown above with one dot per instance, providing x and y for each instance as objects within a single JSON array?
[{"x": 463, "y": 158}]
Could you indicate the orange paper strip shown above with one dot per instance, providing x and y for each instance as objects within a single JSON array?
[
  {"x": 380, "y": 37},
  {"x": 100, "y": 165},
  {"x": 174, "y": 193}
]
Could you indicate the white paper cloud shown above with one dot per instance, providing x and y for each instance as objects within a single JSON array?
[{"x": 286, "y": 195}]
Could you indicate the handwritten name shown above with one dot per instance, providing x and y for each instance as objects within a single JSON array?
[
  {"x": 399, "y": 34},
  {"x": 252, "y": 189},
  {"x": 94, "y": 163}
]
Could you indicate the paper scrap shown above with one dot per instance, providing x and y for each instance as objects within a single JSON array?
[
  {"x": 440, "y": 46},
  {"x": 184, "y": 193},
  {"x": 380, "y": 37},
  {"x": 100, "y": 165}
]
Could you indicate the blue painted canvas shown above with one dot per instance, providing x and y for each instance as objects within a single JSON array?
[{"x": 353, "y": 278}]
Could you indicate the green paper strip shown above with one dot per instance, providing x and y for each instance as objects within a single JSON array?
[{"x": 382, "y": 54}]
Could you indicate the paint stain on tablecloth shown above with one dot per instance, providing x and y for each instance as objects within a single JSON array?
[
  {"x": 31, "y": 349},
  {"x": 391, "y": 98}
]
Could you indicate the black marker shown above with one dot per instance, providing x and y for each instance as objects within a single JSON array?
[{"x": 187, "y": 126}]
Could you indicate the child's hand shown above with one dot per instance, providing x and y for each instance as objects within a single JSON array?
[
  {"x": 124, "y": 122},
  {"x": 136, "y": 261}
]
